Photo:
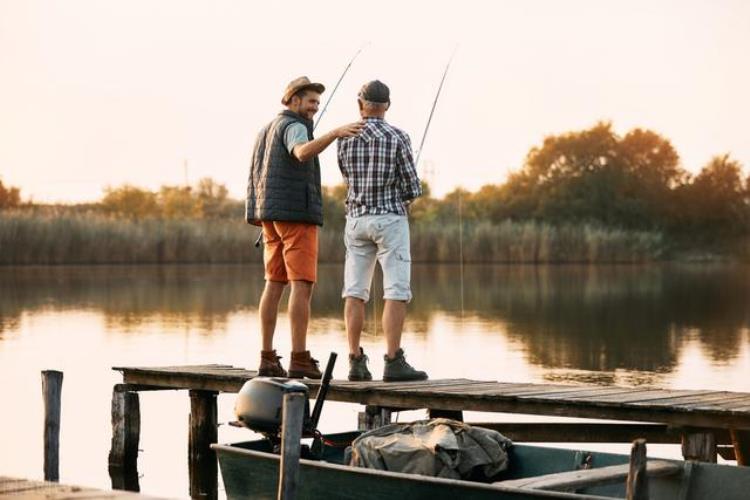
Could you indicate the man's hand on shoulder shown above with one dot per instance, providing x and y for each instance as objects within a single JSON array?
[
  {"x": 348, "y": 130},
  {"x": 304, "y": 152}
]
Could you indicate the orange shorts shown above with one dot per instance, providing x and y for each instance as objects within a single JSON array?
[{"x": 290, "y": 252}]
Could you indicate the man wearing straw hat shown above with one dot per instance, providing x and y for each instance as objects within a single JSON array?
[{"x": 284, "y": 198}]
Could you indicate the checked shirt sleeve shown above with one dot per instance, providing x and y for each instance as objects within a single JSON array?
[{"x": 408, "y": 179}]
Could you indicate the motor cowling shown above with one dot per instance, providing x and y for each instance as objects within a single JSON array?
[{"x": 260, "y": 403}]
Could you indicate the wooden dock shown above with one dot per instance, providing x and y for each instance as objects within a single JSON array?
[
  {"x": 701, "y": 420},
  {"x": 26, "y": 489}
]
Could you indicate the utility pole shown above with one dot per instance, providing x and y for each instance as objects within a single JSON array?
[{"x": 185, "y": 169}]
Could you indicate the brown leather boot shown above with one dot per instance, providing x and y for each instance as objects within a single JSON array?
[
  {"x": 304, "y": 365},
  {"x": 270, "y": 366}
]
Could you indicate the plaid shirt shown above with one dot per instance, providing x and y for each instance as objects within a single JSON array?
[{"x": 378, "y": 169}]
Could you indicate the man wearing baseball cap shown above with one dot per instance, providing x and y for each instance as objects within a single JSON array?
[
  {"x": 284, "y": 197},
  {"x": 381, "y": 180}
]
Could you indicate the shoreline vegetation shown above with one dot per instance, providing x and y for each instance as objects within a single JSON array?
[
  {"x": 31, "y": 239},
  {"x": 588, "y": 196}
]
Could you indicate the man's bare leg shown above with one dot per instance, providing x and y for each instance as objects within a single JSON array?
[
  {"x": 394, "y": 314},
  {"x": 269, "y": 310},
  {"x": 354, "y": 317},
  {"x": 299, "y": 313}
]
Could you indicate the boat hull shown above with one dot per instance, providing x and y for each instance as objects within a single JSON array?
[{"x": 250, "y": 470}]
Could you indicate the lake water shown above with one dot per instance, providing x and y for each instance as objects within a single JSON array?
[{"x": 672, "y": 326}]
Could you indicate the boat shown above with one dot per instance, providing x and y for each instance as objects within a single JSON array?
[{"x": 250, "y": 470}]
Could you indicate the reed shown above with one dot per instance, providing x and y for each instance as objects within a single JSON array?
[
  {"x": 90, "y": 238},
  {"x": 534, "y": 243}
]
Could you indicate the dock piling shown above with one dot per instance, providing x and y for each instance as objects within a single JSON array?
[
  {"x": 126, "y": 431},
  {"x": 373, "y": 417},
  {"x": 699, "y": 445},
  {"x": 741, "y": 443},
  {"x": 291, "y": 434},
  {"x": 203, "y": 468},
  {"x": 52, "y": 394},
  {"x": 637, "y": 482},
  {"x": 126, "y": 428}
]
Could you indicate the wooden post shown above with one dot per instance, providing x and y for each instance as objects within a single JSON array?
[
  {"x": 126, "y": 428},
  {"x": 700, "y": 446},
  {"x": 202, "y": 464},
  {"x": 637, "y": 482},
  {"x": 291, "y": 434},
  {"x": 52, "y": 394},
  {"x": 373, "y": 417},
  {"x": 126, "y": 432},
  {"x": 741, "y": 443}
]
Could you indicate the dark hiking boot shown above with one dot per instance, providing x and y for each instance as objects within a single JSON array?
[
  {"x": 303, "y": 365},
  {"x": 397, "y": 369},
  {"x": 270, "y": 366},
  {"x": 358, "y": 367}
]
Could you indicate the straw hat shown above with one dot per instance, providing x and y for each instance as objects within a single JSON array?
[{"x": 301, "y": 83}]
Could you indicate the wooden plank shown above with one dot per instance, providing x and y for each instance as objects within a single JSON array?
[
  {"x": 634, "y": 396},
  {"x": 732, "y": 403},
  {"x": 585, "y": 395},
  {"x": 586, "y": 478},
  {"x": 579, "y": 391},
  {"x": 422, "y": 385},
  {"x": 462, "y": 388},
  {"x": 519, "y": 389},
  {"x": 185, "y": 381},
  {"x": 723, "y": 406},
  {"x": 168, "y": 367},
  {"x": 693, "y": 398}
]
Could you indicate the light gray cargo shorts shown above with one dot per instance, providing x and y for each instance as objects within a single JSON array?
[{"x": 384, "y": 238}]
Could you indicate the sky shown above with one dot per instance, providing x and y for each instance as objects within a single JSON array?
[{"x": 100, "y": 93}]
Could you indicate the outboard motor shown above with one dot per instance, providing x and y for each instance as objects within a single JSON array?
[{"x": 260, "y": 402}]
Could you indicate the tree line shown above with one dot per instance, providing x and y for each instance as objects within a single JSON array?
[{"x": 593, "y": 176}]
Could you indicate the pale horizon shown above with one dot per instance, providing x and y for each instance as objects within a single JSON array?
[{"x": 96, "y": 94}]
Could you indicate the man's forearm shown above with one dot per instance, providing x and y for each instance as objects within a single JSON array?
[{"x": 304, "y": 152}]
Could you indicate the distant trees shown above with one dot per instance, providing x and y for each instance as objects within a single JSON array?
[
  {"x": 595, "y": 176},
  {"x": 716, "y": 203},
  {"x": 130, "y": 201},
  {"x": 208, "y": 199},
  {"x": 10, "y": 197}
]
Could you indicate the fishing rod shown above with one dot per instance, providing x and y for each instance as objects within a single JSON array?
[
  {"x": 325, "y": 106},
  {"x": 343, "y": 74},
  {"x": 460, "y": 211},
  {"x": 432, "y": 110}
]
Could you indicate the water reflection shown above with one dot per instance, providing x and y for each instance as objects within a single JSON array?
[{"x": 596, "y": 320}]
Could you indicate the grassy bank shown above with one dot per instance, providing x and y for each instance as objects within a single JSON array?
[{"x": 27, "y": 238}]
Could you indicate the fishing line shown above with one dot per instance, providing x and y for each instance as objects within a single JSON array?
[
  {"x": 460, "y": 208},
  {"x": 335, "y": 87},
  {"x": 461, "y": 251}
]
